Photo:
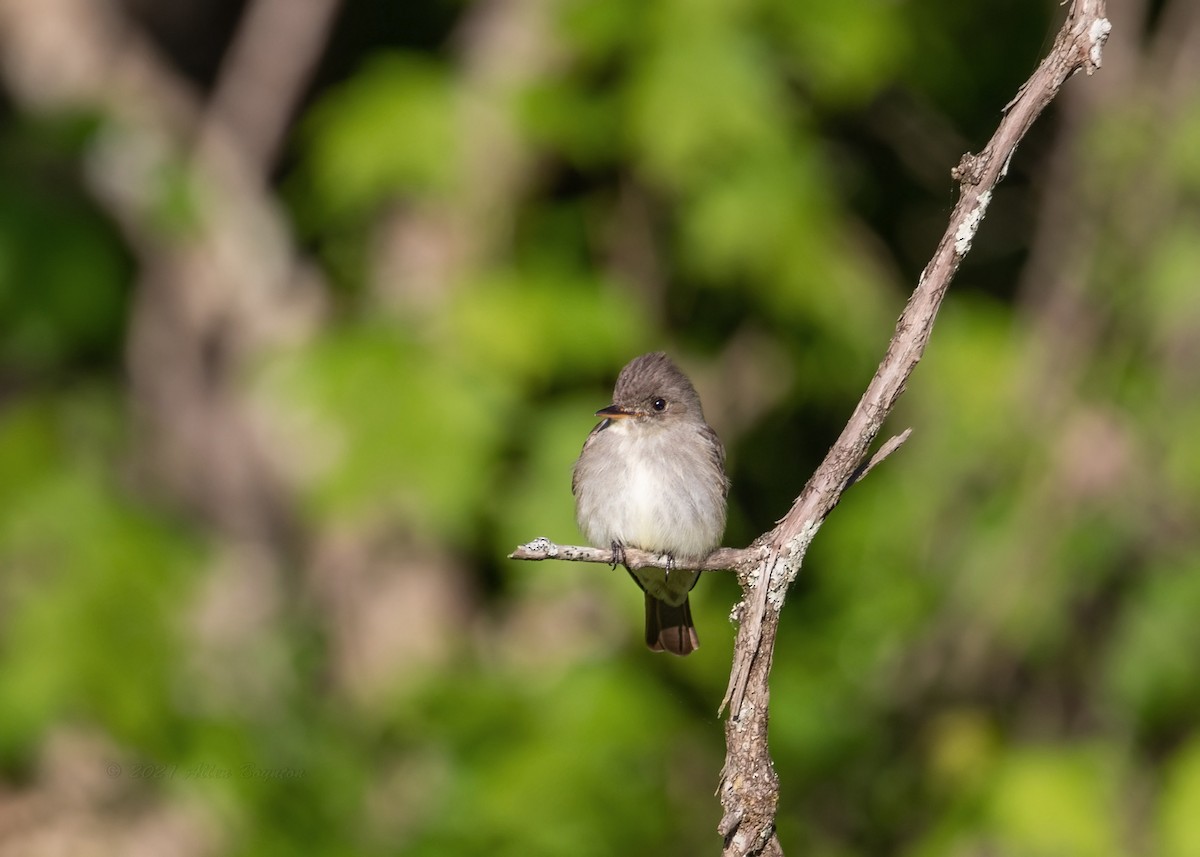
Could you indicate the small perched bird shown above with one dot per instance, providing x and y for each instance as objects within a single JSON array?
[{"x": 652, "y": 476}]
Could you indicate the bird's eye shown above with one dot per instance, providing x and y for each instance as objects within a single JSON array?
[{"x": 659, "y": 404}]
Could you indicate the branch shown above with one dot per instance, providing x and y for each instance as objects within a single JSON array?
[
  {"x": 749, "y": 787},
  {"x": 880, "y": 454},
  {"x": 722, "y": 559},
  {"x": 263, "y": 76}
]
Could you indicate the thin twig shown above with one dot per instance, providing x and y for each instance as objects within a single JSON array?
[
  {"x": 722, "y": 559},
  {"x": 890, "y": 446}
]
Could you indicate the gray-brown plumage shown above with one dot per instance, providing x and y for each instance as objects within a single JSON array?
[{"x": 652, "y": 476}]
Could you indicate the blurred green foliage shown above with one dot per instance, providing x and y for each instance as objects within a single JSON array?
[
  {"x": 992, "y": 647},
  {"x": 64, "y": 276}
]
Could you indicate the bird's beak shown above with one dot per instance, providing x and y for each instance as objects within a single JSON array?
[{"x": 612, "y": 412}]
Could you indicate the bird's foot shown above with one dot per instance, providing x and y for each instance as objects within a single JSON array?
[
  {"x": 670, "y": 566},
  {"x": 618, "y": 554}
]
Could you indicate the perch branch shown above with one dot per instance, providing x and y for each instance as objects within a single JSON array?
[
  {"x": 749, "y": 787},
  {"x": 722, "y": 559}
]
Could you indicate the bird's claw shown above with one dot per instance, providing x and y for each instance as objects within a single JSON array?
[{"x": 618, "y": 554}]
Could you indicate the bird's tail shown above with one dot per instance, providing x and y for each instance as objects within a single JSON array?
[{"x": 669, "y": 628}]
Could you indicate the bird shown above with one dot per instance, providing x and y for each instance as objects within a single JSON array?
[{"x": 652, "y": 476}]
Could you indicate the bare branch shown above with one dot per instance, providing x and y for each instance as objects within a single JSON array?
[
  {"x": 722, "y": 559},
  {"x": 749, "y": 788}
]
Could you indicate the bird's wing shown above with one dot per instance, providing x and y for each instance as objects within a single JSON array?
[
  {"x": 590, "y": 439},
  {"x": 717, "y": 450}
]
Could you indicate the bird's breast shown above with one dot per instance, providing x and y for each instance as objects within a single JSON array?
[{"x": 654, "y": 490}]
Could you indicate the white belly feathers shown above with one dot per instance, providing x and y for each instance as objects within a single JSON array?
[{"x": 646, "y": 503}]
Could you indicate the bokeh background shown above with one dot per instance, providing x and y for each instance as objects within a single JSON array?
[{"x": 305, "y": 307}]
